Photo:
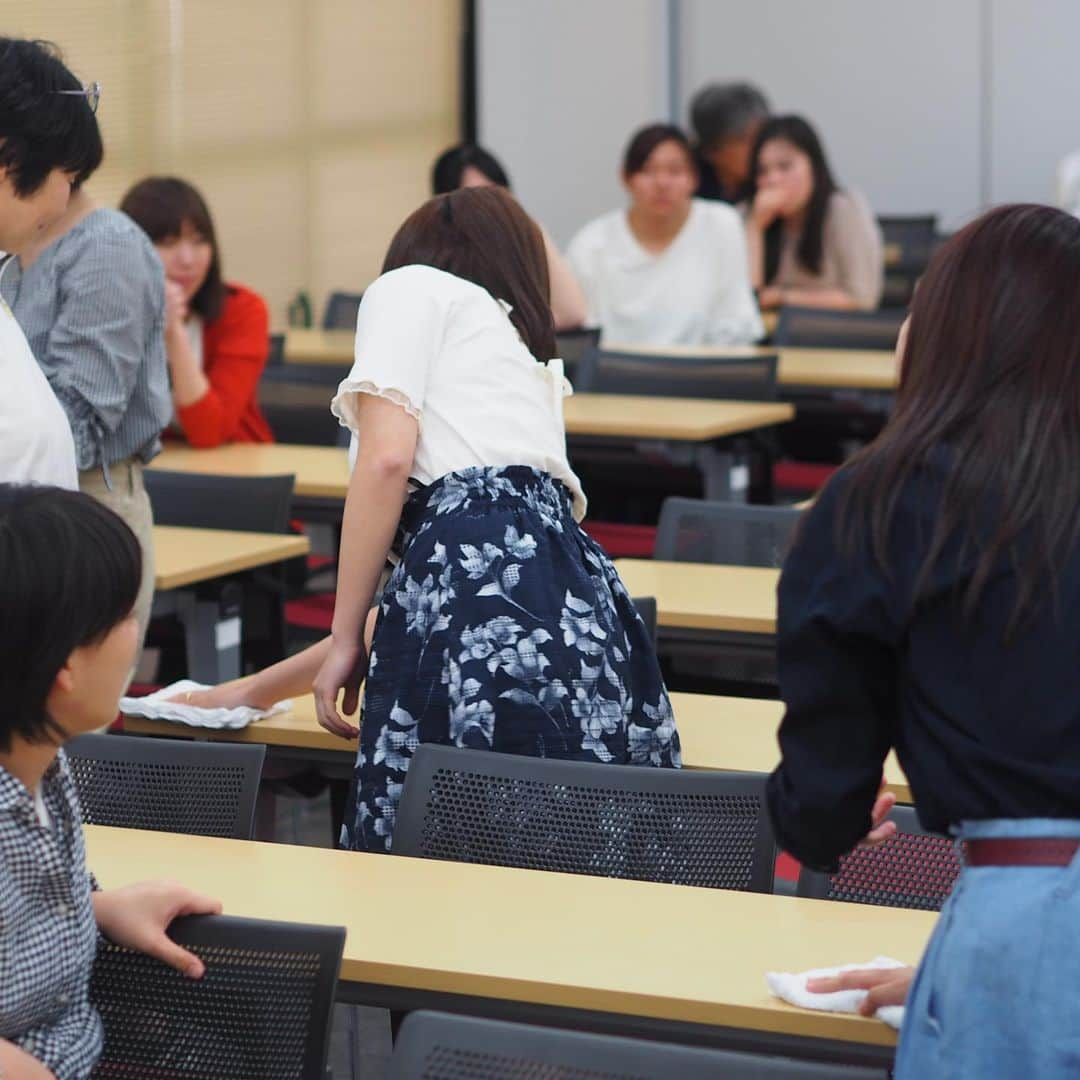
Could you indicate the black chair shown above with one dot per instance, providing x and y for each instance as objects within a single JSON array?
[
  {"x": 735, "y": 378},
  {"x": 247, "y": 503},
  {"x": 263, "y": 1008},
  {"x": 340, "y": 311},
  {"x": 276, "y": 356},
  {"x": 646, "y": 608},
  {"x": 819, "y": 328},
  {"x": 650, "y": 824},
  {"x": 697, "y": 530},
  {"x": 167, "y": 785},
  {"x": 295, "y": 399},
  {"x": 571, "y": 346},
  {"x": 915, "y": 869},
  {"x": 910, "y": 242},
  {"x": 438, "y": 1046}
]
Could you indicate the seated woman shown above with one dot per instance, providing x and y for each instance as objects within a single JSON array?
[
  {"x": 69, "y": 575},
  {"x": 504, "y": 626},
  {"x": 931, "y": 603},
  {"x": 473, "y": 166},
  {"x": 811, "y": 244},
  {"x": 671, "y": 269},
  {"x": 217, "y": 335}
]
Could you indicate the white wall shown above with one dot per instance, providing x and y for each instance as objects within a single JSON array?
[
  {"x": 561, "y": 84},
  {"x": 1035, "y": 92},
  {"x": 927, "y": 105}
]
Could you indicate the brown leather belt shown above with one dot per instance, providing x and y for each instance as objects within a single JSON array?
[{"x": 1021, "y": 851}]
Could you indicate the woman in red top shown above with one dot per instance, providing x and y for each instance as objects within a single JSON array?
[{"x": 216, "y": 334}]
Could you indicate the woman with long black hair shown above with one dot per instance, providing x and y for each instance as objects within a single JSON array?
[
  {"x": 931, "y": 603},
  {"x": 811, "y": 244}
]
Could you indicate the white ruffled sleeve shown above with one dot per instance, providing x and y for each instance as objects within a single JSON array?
[{"x": 399, "y": 332}]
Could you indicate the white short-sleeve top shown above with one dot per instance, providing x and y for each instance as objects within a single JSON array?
[
  {"x": 695, "y": 292},
  {"x": 36, "y": 444},
  {"x": 445, "y": 350}
]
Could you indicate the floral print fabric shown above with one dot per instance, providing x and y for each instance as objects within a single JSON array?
[{"x": 504, "y": 627}]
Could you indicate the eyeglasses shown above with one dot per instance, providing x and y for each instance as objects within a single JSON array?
[{"x": 92, "y": 93}]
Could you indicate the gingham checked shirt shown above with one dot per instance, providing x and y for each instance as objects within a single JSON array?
[{"x": 48, "y": 936}]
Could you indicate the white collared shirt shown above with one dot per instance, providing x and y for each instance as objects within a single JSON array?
[
  {"x": 446, "y": 351},
  {"x": 695, "y": 292},
  {"x": 36, "y": 445}
]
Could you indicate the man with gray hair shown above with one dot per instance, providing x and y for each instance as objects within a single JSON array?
[{"x": 726, "y": 118}]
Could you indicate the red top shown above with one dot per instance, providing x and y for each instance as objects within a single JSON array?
[{"x": 235, "y": 349}]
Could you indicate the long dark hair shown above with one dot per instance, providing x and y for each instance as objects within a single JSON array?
[
  {"x": 795, "y": 130},
  {"x": 991, "y": 375},
  {"x": 160, "y": 205},
  {"x": 482, "y": 234}
]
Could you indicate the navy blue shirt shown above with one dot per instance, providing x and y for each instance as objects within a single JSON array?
[{"x": 984, "y": 727}]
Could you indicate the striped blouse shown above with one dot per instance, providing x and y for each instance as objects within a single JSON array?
[{"x": 92, "y": 306}]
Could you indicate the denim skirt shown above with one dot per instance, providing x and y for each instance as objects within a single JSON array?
[{"x": 998, "y": 992}]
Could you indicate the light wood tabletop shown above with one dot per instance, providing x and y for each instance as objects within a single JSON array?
[
  {"x": 682, "y": 419},
  {"x": 728, "y": 734},
  {"x": 705, "y": 596},
  {"x": 188, "y": 556},
  {"x": 321, "y": 472},
  {"x": 855, "y": 369},
  {"x": 833, "y": 369},
  {"x": 628, "y": 947}
]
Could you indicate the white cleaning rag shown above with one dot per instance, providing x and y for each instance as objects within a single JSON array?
[
  {"x": 156, "y": 706},
  {"x": 792, "y": 989}
]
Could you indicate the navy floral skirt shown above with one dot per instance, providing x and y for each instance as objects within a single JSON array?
[{"x": 504, "y": 627}]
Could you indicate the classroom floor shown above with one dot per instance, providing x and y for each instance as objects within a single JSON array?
[{"x": 360, "y": 1041}]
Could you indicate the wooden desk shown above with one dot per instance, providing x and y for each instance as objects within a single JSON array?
[
  {"x": 212, "y": 626},
  {"x": 723, "y": 733},
  {"x": 623, "y": 955},
  {"x": 188, "y": 556},
  {"x": 677, "y": 419},
  {"x": 322, "y": 472},
  {"x": 854, "y": 369},
  {"x": 701, "y": 596},
  {"x": 319, "y": 346},
  {"x": 826, "y": 369}
]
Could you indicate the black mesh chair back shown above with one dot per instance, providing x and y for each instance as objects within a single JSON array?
[
  {"x": 697, "y": 530},
  {"x": 820, "y": 329},
  {"x": 167, "y": 785},
  {"x": 247, "y": 503},
  {"x": 295, "y": 399},
  {"x": 340, "y": 311},
  {"x": 738, "y": 378},
  {"x": 624, "y": 821},
  {"x": 263, "y": 1008},
  {"x": 276, "y": 356},
  {"x": 571, "y": 346},
  {"x": 646, "y": 608},
  {"x": 915, "y": 869},
  {"x": 438, "y": 1046},
  {"x": 910, "y": 242}
]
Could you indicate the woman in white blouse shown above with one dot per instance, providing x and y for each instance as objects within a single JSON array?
[
  {"x": 504, "y": 626},
  {"x": 670, "y": 269}
]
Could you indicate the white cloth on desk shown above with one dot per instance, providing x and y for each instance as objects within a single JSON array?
[
  {"x": 156, "y": 706},
  {"x": 695, "y": 292},
  {"x": 445, "y": 350},
  {"x": 792, "y": 989}
]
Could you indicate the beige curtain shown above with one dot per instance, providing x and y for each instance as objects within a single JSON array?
[{"x": 309, "y": 125}]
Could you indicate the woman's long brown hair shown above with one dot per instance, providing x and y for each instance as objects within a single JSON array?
[
  {"x": 990, "y": 374},
  {"x": 483, "y": 235}
]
